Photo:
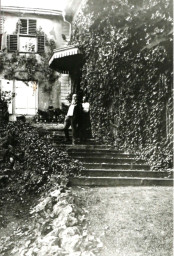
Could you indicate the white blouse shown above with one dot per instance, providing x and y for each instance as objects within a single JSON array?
[{"x": 85, "y": 106}]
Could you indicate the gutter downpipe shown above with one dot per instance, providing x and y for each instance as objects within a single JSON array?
[{"x": 70, "y": 26}]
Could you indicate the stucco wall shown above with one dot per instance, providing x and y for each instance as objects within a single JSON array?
[
  {"x": 51, "y": 25},
  {"x": 49, "y": 93}
]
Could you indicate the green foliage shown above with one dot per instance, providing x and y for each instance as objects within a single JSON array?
[
  {"x": 128, "y": 69},
  {"x": 31, "y": 67},
  {"x": 33, "y": 162},
  {"x": 27, "y": 66}
]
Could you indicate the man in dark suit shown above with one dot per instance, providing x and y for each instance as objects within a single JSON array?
[{"x": 73, "y": 119}]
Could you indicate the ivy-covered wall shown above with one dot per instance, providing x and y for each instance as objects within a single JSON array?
[{"x": 127, "y": 72}]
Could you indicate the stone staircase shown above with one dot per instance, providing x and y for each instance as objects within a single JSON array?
[{"x": 106, "y": 166}]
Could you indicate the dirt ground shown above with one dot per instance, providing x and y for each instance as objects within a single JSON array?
[{"x": 130, "y": 221}]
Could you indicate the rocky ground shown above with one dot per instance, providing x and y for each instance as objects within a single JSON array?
[
  {"x": 88, "y": 221},
  {"x": 54, "y": 225}
]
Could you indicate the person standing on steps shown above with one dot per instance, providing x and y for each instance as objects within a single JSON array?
[
  {"x": 85, "y": 128},
  {"x": 73, "y": 119}
]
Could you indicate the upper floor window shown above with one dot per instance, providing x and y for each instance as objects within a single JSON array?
[
  {"x": 27, "y": 26},
  {"x": 26, "y": 40},
  {"x": 30, "y": 44}
]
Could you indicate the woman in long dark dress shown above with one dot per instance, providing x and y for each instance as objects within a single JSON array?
[{"x": 86, "y": 127}]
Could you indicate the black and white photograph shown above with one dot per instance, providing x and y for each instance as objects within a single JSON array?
[{"x": 86, "y": 128}]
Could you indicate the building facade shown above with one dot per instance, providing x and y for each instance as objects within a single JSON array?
[{"x": 27, "y": 39}]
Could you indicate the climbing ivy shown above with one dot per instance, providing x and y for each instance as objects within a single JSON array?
[
  {"x": 31, "y": 67},
  {"x": 127, "y": 71}
]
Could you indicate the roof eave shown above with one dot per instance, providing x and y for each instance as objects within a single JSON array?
[{"x": 40, "y": 11}]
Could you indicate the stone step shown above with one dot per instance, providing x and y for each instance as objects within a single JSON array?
[
  {"x": 122, "y": 173},
  {"x": 108, "y": 159},
  {"x": 60, "y": 140},
  {"x": 100, "y": 153},
  {"x": 120, "y": 181},
  {"x": 105, "y": 165},
  {"x": 56, "y": 135},
  {"x": 116, "y": 166},
  {"x": 88, "y": 147}
]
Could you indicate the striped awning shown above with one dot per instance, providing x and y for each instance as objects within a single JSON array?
[{"x": 66, "y": 59}]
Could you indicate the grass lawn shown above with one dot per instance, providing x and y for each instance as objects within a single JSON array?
[{"x": 130, "y": 221}]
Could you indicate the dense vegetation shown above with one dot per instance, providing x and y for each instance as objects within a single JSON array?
[
  {"x": 39, "y": 214},
  {"x": 31, "y": 163},
  {"x": 127, "y": 73}
]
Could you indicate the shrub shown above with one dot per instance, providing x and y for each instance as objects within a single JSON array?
[{"x": 33, "y": 161}]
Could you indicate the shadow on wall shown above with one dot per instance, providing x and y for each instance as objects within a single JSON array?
[{"x": 49, "y": 95}]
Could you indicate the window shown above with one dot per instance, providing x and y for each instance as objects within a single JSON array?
[
  {"x": 26, "y": 40},
  {"x": 27, "y": 27},
  {"x": 26, "y": 44},
  {"x": 12, "y": 43},
  {"x": 40, "y": 44}
]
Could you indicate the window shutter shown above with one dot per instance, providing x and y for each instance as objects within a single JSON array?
[
  {"x": 23, "y": 27},
  {"x": 32, "y": 27},
  {"x": 4, "y": 41},
  {"x": 41, "y": 44},
  {"x": 12, "y": 43}
]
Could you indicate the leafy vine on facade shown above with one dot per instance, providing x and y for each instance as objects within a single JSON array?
[
  {"x": 128, "y": 73},
  {"x": 28, "y": 66}
]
